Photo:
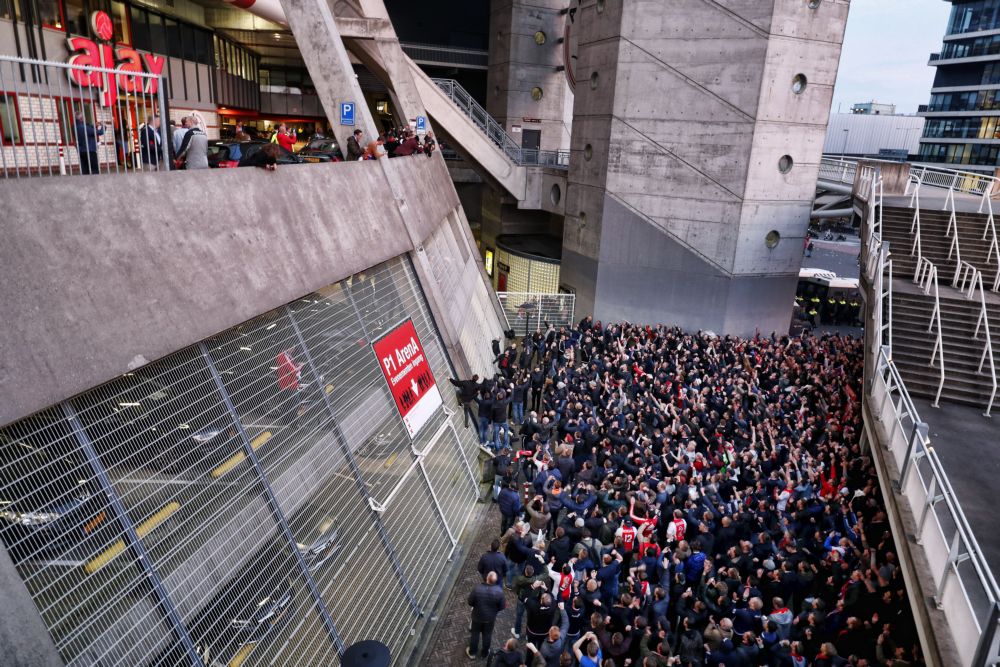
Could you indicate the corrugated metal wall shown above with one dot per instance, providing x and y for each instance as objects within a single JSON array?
[
  {"x": 197, "y": 511},
  {"x": 865, "y": 134}
]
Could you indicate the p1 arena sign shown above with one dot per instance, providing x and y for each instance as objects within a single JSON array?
[
  {"x": 406, "y": 370},
  {"x": 125, "y": 59}
]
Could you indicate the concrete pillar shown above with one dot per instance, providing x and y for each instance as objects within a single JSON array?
[
  {"x": 385, "y": 59},
  {"x": 519, "y": 64},
  {"x": 315, "y": 30},
  {"x": 697, "y": 136}
]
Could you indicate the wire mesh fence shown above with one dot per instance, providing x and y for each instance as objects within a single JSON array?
[
  {"x": 528, "y": 311},
  {"x": 254, "y": 498}
]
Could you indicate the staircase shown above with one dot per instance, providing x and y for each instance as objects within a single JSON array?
[
  {"x": 912, "y": 343},
  {"x": 935, "y": 242}
]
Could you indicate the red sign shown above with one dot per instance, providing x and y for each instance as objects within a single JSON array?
[
  {"x": 122, "y": 58},
  {"x": 409, "y": 376}
]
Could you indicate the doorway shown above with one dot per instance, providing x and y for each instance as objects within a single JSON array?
[{"x": 531, "y": 139}]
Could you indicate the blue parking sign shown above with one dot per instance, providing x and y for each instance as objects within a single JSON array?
[
  {"x": 347, "y": 113},
  {"x": 421, "y": 123}
]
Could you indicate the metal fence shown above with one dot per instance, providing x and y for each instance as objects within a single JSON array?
[
  {"x": 60, "y": 119},
  {"x": 496, "y": 133},
  {"x": 527, "y": 311},
  {"x": 254, "y": 497},
  {"x": 965, "y": 588}
]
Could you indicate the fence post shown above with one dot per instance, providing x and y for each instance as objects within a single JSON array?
[
  {"x": 919, "y": 430},
  {"x": 165, "y": 157},
  {"x": 62, "y": 160},
  {"x": 987, "y": 651}
]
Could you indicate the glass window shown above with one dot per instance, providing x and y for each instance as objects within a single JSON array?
[
  {"x": 265, "y": 77},
  {"x": 50, "y": 14},
  {"x": 140, "y": 29},
  {"x": 9, "y": 9},
  {"x": 187, "y": 42},
  {"x": 76, "y": 17},
  {"x": 172, "y": 40},
  {"x": 158, "y": 38},
  {"x": 119, "y": 17},
  {"x": 67, "y": 118},
  {"x": 10, "y": 120}
]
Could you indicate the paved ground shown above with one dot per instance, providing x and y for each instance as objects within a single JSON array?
[
  {"x": 841, "y": 257},
  {"x": 451, "y": 636}
]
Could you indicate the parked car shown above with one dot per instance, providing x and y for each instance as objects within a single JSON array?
[
  {"x": 322, "y": 550},
  {"x": 227, "y": 155},
  {"x": 321, "y": 149},
  {"x": 48, "y": 502}
]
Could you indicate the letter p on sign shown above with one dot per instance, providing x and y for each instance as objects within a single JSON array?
[{"x": 347, "y": 113}]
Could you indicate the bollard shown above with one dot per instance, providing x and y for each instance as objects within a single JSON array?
[
  {"x": 366, "y": 654},
  {"x": 62, "y": 160}
]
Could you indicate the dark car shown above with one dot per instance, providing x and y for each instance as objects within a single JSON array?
[
  {"x": 49, "y": 502},
  {"x": 321, "y": 149},
  {"x": 245, "y": 632},
  {"x": 227, "y": 155}
]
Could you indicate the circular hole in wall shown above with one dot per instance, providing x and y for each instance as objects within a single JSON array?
[
  {"x": 785, "y": 164},
  {"x": 539, "y": 38},
  {"x": 555, "y": 194},
  {"x": 813, "y": 4},
  {"x": 772, "y": 239},
  {"x": 536, "y": 93},
  {"x": 799, "y": 83},
  {"x": 594, "y": 78},
  {"x": 588, "y": 152}
]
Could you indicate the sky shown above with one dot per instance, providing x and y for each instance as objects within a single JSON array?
[{"x": 886, "y": 49}]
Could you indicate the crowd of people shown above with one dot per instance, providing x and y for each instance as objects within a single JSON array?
[
  {"x": 670, "y": 498},
  {"x": 398, "y": 142}
]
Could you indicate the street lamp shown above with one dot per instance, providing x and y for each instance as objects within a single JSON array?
[{"x": 847, "y": 134}]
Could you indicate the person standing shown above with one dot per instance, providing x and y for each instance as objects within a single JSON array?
[
  {"x": 177, "y": 138},
  {"x": 487, "y": 601},
  {"x": 86, "y": 144},
  {"x": 354, "y": 150},
  {"x": 286, "y": 139},
  {"x": 150, "y": 148},
  {"x": 193, "y": 153},
  {"x": 467, "y": 390}
]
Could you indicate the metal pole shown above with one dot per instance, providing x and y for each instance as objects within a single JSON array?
[
  {"x": 359, "y": 480},
  {"x": 272, "y": 501},
  {"x": 130, "y": 535},
  {"x": 164, "y": 160},
  {"x": 919, "y": 430},
  {"x": 987, "y": 651}
]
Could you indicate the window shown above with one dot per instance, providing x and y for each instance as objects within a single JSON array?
[
  {"x": 187, "y": 42},
  {"x": 50, "y": 14},
  {"x": 10, "y": 120},
  {"x": 140, "y": 29},
  {"x": 68, "y": 108},
  {"x": 10, "y": 10},
  {"x": 119, "y": 17},
  {"x": 76, "y": 17}
]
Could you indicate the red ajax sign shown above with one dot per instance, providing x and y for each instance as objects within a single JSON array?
[
  {"x": 122, "y": 58},
  {"x": 409, "y": 376}
]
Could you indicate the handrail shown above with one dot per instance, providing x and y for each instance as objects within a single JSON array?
[
  {"x": 495, "y": 132},
  {"x": 926, "y": 276},
  {"x": 924, "y": 496},
  {"x": 952, "y": 231},
  {"x": 971, "y": 279},
  {"x": 993, "y": 253},
  {"x": 917, "y": 247}
]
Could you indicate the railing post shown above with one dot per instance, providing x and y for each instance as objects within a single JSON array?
[
  {"x": 988, "y": 649},
  {"x": 929, "y": 502},
  {"x": 919, "y": 430},
  {"x": 952, "y": 557},
  {"x": 164, "y": 160}
]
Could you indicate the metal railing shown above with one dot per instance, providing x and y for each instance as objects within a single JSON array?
[
  {"x": 953, "y": 180},
  {"x": 528, "y": 311},
  {"x": 60, "y": 119},
  {"x": 496, "y": 133},
  {"x": 971, "y": 600},
  {"x": 926, "y": 275},
  {"x": 971, "y": 280},
  {"x": 839, "y": 170},
  {"x": 993, "y": 252}
]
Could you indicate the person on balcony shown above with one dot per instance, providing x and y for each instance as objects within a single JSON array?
[
  {"x": 86, "y": 143},
  {"x": 150, "y": 148}
]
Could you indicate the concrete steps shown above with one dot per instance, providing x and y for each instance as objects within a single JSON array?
[{"x": 935, "y": 243}]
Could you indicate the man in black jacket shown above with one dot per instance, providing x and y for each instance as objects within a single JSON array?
[
  {"x": 467, "y": 390},
  {"x": 493, "y": 561},
  {"x": 487, "y": 601}
]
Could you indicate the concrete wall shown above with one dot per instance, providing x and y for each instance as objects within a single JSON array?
[
  {"x": 682, "y": 113},
  {"x": 517, "y": 64},
  {"x": 23, "y": 635},
  {"x": 131, "y": 268}
]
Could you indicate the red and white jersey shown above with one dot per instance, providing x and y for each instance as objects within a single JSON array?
[
  {"x": 628, "y": 535},
  {"x": 676, "y": 530}
]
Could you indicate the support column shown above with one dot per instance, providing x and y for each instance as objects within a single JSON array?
[{"x": 316, "y": 33}]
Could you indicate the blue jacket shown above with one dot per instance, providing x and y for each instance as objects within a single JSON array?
[
  {"x": 509, "y": 502},
  {"x": 86, "y": 136}
]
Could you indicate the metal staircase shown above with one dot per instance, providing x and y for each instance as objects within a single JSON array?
[{"x": 494, "y": 131}]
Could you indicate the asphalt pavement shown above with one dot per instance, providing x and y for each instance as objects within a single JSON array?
[{"x": 841, "y": 257}]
